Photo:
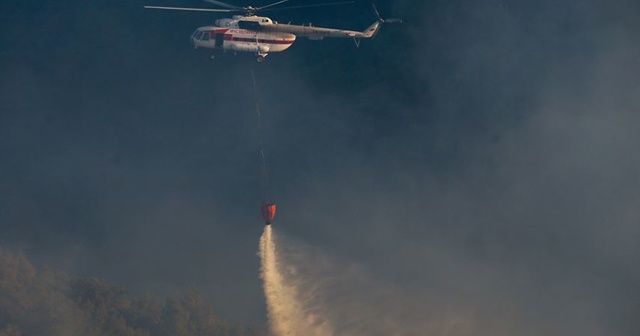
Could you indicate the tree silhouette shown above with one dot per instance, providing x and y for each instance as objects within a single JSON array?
[{"x": 45, "y": 302}]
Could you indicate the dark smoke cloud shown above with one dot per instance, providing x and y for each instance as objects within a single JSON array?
[{"x": 478, "y": 163}]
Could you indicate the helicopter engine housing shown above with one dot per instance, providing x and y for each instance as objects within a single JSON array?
[{"x": 224, "y": 22}]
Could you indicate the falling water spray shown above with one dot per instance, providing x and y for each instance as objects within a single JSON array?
[
  {"x": 288, "y": 313},
  {"x": 281, "y": 304}
]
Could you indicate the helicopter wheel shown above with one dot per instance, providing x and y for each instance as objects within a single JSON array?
[
  {"x": 260, "y": 59},
  {"x": 213, "y": 56}
]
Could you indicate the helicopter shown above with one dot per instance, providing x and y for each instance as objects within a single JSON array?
[{"x": 260, "y": 35}]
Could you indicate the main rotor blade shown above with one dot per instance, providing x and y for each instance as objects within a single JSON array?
[
  {"x": 222, "y": 4},
  {"x": 191, "y": 9},
  {"x": 316, "y": 5},
  {"x": 273, "y": 4}
]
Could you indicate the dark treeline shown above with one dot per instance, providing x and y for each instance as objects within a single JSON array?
[{"x": 45, "y": 302}]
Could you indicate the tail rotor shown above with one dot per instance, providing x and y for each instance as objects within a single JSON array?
[{"x": 380, "y": 19}]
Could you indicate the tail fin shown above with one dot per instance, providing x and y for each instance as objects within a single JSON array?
[
  {"x": 375, "y": 27},
  {"x": 372, "y": 30}
]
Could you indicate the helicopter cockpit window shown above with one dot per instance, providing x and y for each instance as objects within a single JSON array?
[{"x": 205, "y": 36}]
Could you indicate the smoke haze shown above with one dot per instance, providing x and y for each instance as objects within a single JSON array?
[{"x": 473, "y": 171}]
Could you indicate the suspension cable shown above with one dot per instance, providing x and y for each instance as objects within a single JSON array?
[{"x": 264, "y": 176}]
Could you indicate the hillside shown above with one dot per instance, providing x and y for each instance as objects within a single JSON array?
[{"x": 46, "y": 302}]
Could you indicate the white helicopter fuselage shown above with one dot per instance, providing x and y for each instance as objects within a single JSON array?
[
  {"x": 260, "y": 35},
  {"x": 228, "y": 35}
]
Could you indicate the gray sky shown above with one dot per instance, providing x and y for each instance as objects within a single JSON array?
[{"x": 478, "y": 163}]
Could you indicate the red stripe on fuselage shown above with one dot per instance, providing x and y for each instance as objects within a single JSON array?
[
  {"x": 248, "y": 39},
  {"x": 217, "y": 31},
  {"x": 230, "y": 37}
]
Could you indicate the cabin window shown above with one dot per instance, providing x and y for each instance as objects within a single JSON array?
[{"x": 205, "y": 36}]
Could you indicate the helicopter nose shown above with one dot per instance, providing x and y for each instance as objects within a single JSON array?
[{"x": 194, "y": 38}]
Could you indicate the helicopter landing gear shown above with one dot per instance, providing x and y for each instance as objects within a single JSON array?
[
  {"x": 261, "y": 57},
  {"x": 213, "y": 57}
]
